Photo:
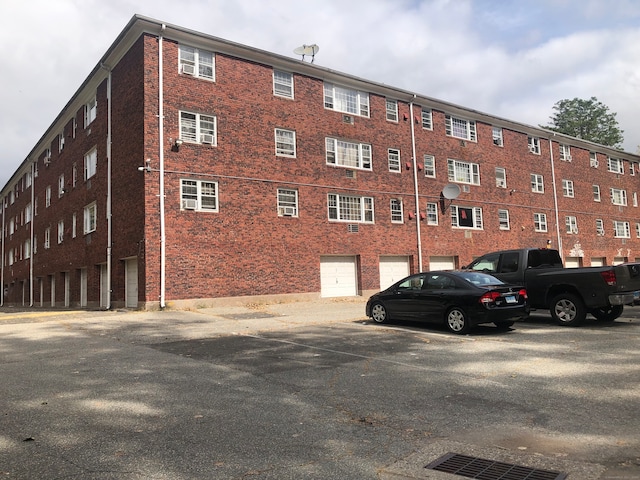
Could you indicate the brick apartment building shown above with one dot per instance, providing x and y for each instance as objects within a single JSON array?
[{"x": 188, "y": 168}]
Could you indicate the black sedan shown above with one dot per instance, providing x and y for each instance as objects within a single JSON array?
[{"x": 460, "y": 300}]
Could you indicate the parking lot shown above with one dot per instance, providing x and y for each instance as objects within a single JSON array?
[{"x": 311, "y": 391}]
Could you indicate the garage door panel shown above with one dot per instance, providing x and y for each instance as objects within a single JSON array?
[
  {"x": 442, "y": 263},
  {"x": 392, "y": 269},
  {"x": 338, "y": 276}
]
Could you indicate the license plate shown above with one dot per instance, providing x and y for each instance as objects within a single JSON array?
[{"x": 510, "y": 299}]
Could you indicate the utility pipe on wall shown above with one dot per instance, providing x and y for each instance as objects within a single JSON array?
[
  {"x": 555, "y": 199},
  {"x": 415, "y": 185},
  {"x": 161, "y": 173}
]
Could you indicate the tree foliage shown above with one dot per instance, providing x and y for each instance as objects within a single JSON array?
[{"x": 586, "y": 119}]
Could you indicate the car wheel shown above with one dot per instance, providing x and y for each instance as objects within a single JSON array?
[
  {"x": 379, "y": 313},
  {"x": 504, "y": 325},
  {"x": 567, "y": 309},
  {"x": 457, "y": 321},
  {"x": 608, "y": 314}
]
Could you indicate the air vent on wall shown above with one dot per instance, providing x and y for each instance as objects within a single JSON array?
[
  {"x": 351, "y": 174},
  {"x": 352, "y": 228},
  {"x": 348, "y": 119}
]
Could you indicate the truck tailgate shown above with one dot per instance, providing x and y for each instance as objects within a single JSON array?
[{"x": 627, "y": 277}]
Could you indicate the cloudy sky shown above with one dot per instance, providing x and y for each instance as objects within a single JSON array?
[{"x": 510, "y": 58}]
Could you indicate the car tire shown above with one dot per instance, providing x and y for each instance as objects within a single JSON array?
[
  {"x": 608, "y": 314},
  {"x": 457, "y": 321},
  {"x": 379, "y": 313},
  {"x": 504, "y": 325},
  {"x": 567, "y": 309}
]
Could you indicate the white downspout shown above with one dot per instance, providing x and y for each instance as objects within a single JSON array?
[
  {"x": 415, "y": 185},
  {"x": 109, "y": 197},
  {"x": 2, "y": 199},
  {"x": 31, "y": 242},
  {"x": 555, "y": 199},
  {"x": 161, "y": 172}
]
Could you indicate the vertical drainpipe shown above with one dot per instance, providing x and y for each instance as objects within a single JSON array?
[
  {"x": 555, "y": 199},
  {"x": 161, "y": 171},
  {"x": 415, "y": 185},
  {"x": 31, "y": 230},
  {"x": 2, "y": 199},
  {"x": 109, "y": 192}
]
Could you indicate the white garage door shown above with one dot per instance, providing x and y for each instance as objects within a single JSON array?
[
  {"x": 393, "y": 269},
  {"x": 442, "y": 263},
  {"x": 338, "y": 277},
  {"x": 572, "y": 262}
]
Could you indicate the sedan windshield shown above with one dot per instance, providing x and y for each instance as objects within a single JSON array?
[{"x": 479, "y": 279}]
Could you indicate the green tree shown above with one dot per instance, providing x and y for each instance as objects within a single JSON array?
[{"x": 586, "y": 119}]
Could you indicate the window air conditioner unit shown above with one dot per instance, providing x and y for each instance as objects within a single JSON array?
[
  {"x": 288, "y": 211},
  {"x": 574, "y": 230},
  {"x": 188, "y": 69},
  {"x": 567, "y": 158},
  {"x": 600, "y": 232},
  {"x": 594, "y": 163},
  {"x": 207, "y": 138},
  {"x": 466, "y": 188},
  {"x": 47, "y": 160},
  {"x": 189, "y": 203},
  {"x": 496, "y": 141},
  {"x": 532, "y": 149},
  {"x": 347, "y": 119}
]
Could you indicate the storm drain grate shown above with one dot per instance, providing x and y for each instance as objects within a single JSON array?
[{"x": 479, "y": 468}]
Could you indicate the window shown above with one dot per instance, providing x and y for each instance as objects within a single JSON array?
[
  {"x": 503, "y": 219},
  {"x": 27, "y": 249},
  {"x": 565, "y": 153},
  {"x": 463, "y": 172},
  {"x": 90, "y": 163},
  {"x": 596, "y": 193},
  {"x": 198, "y": 195},
  {"x": 74, "y": 225},
  {"x": 27, "y": 179},
  {"x": 621, "y": 229},
  {"x": 90, "y": 111},
  {"x": 282, "y": 84},
  {"x": 197, "y": 128},
  {"x": 567, "y": 188},
  {"x": 633, "y": 168},
  {"x": 571, "y": 223},
  {"x": 396, "y": 211},
  {"x": 47, "y": 237},
  {"x": 537, "y": 183},
  {"x": 60, "y": 142},
  {"x": 27, "y": 213},
  {"x": 90, "y": 218},
  {"x": 287, "y": 202},
  {"x": 637, "y": 230},
  {"x": 74, "y": 127},
  {"x": 47, "y": 196},
  {"x": 60, "y": 231},
  {"x": 460, "y": 128},
  {"x": 74, "y": 175},
  {"x": 618, "y": 196},
  {"x": 196, "y": 62},
  {"x": 466, "y": 217},
  {"x": 394, "y": 159},
  {"x": 427, "y": 119},
  {"x": 615, "y": 165},
  {"x": 599, "y": 227},
  {"x": 497, "y": 136},
  {"x": 392, "y": 110},
  {"x": 61, "y": 185},
  {"x": 534, "y": 145},
  {"x": 344, "y": 208},
  {"x": 432, "y": 213},
  {"x": 346, "y": 100},
  {"x": 430, "y": 166},
  {"x": 635, "y": 199},
  {"x": 285, "y": 143},
  {"x": 501, "y": 177},
  {"x": 540, "y": 222},
  {"x": 348, "y": 154}
]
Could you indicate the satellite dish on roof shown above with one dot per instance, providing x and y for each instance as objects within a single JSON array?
[
  {"x": 307, "y": 50},
  {"x": 451, "y": 191}
]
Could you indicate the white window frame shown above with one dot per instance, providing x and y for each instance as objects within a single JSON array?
[
  {"x": 567, "y": 188},
  {"x": 463, "y": 172},
  {"x": 27, "y": 213},
  {"x": 90, "y": 111},
  {"x": 618, "y": 196},
  {"x": 429, "y": 166},
  {"x": 282, "y": 84},
  {"x": 460, "y": 128},
  {"x": 565, "y": 152},
  {"x": 285, "y": 143},
  {"x": 496, "y": 134},
  {"x": 571, "y": 224},
  {"x": 287, "y": 201},
  {"x": 90, "y": 163},
  {"x": 196, "y": 127},
  {"x": 60, "y": 231},
  {"x": 476, "y": 217},
  {"x": 432, "y": 213},
  {"x": 540, "y": 222},
  {"x": 427, "y": 118},
  {"x": 599, "y": 227},
  {"x": 47, "y": 238},
  {"x": 596, "y": 193},
  {"x": 74, "y": 225},
  {"x": 503, "y": 219},
  {"x": 195, "y": 62},
  {"x": 60, "y": 141},
  {"x": 348, "y": 154},
  {"x": 47, "y": 196},
  {"x": 393, "y": 155},
  {"x": 198, "y": 191},
  {"x": 537, "y": 183},
  {"x": 392, "y": 110},
  {"x": 621, "y": 229},
  {"x": 90, "y": 218},
  {"x": 396, "y": 208},
  {"x": 501, "y": 177},
  {"x": 27, "y": 249},
  {"x": 633, "y": 168},
  {"x": 350, "y": 208},
  {"x": 534, "y": 145},
  {"x": 61, "y": 185},
  {"x": 346, "y": 100},
  {"x": 637, "y": 230},
  {"x": 615, "y": 165}
]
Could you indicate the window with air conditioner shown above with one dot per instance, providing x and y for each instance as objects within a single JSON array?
[
  {"x": 501, "y": 177},
  {"x": 593, "y": 160},
  {"x": 565, "y": 153},
  {"x": 287, "y": 202},
  {"x": 197, "y": 128},
  {"x": 534, "y": 145},
  {"x": 497, "y": 136},
  {"x": 196, "y": 62},
  {"x": 571, "y": 224},
  {"x": 198, "y": 195},
  {"x": 599, "y": 227}
]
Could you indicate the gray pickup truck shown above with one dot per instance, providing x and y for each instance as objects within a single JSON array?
[{"x": 568, "y": 293}]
